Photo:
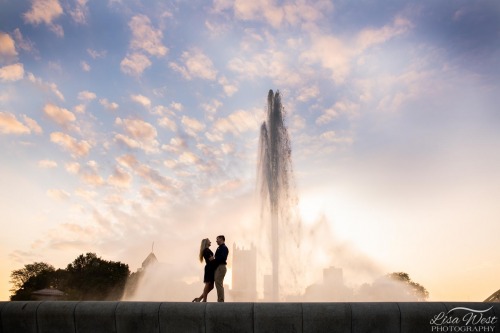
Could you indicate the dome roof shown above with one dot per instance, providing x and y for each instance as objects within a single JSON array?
[{"x": 495, "y": 297}]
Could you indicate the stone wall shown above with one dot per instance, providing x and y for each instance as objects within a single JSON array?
[{"x": 133, "y": 317}]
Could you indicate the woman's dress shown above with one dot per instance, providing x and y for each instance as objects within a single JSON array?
[{"x": 209, "y": 266}]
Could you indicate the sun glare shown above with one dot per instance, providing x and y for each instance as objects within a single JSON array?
[{"x": 311, "y": 208}]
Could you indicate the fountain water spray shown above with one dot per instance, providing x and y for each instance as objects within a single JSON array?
[{"x": 279, "y": 200}]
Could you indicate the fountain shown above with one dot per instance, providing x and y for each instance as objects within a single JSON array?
[
  {"x": 278, "y": 197},
  {"x": 296, "y": 262}
]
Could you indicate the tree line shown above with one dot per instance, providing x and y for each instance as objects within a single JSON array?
[{"x": 88, "y": 277}]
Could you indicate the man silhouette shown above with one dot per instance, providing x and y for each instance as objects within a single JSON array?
[{"x": 221, "y": 260}]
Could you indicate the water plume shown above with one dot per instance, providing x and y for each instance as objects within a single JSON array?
[{"x": 279, "y": 201}]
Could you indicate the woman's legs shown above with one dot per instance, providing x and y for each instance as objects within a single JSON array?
[
  {"x": 206, "y": 290},
  {"x": 198, "y": 299},
  {"x": 208, "y": 287}
]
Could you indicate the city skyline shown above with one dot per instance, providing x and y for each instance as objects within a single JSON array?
[{"x": 126, "y": 122}]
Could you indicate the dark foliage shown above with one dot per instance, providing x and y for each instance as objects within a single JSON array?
[{"x": 86, "y": 278}]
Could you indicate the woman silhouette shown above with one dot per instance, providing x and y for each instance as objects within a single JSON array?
[{"x": 208, "y": 277}]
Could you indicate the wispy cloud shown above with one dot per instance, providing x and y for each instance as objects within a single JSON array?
[
  {"x": 59, "y": 115},
  {"x": 112, "y": 106},
  {"x": 139, "y": 134},
  {"x": 86, "y": 96},
  {"x": 142, "y": 100},
  {"x": 58, "y": 194},
  {"x": 226, "y": 186},
  {"x": 337, "y": 55},
  {"x": 272, "y": 63},
  {"x": 211, "y": 108},
  {"x": 97, "y": 54},
  {"x": 339, "y": 108},
  {"x": 120, "y": 178},
  {"x": 80, "y": 12},
  {"x": 45, "y": 11},
  {"x": 145, "y": 38},
  {"x": 90, "y": 174},
  {"x": 23, "y": 43},
  {"x": 238, "y": 122},
  {"x": 291, "y": 13},
  {"x": 229, "y": 88},
  {"x": 307, "y": 93},
  {"x": 73, "y": 146},
  {"x": 85, "y": 66},
  {"x": 7, "y": 47},
  {"x": 168, "y": 123},
  {"x": 192, "y": 125},
  {"x": 148, "y": 174},
  {"x": 45, "y": 85},
  {"x": 371, "y": 36},
  {"x": 47, "y": 164},
  {"x": 72, "y": 167},
  {"x": 134, "y": 64},
  {"x": 332, "y": 54},
  {"x": 176, "y": 145},
  {"x": 195, "y": 64},
  {"x": 13, "y": 72},
  {"x": 33, "y": 125},
  {"x": 9, "y": 124}
]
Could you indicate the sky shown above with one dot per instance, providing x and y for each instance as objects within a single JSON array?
[{"x": 127, "y": 122}]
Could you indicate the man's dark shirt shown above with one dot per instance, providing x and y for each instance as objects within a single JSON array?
[{"x": 221, "y": 254}]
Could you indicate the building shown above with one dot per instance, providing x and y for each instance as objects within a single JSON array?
[
  {"x": 244, "y": 275},
  {"x": 332, "y": 289},
  {"x": 48, "y": 294},
  {"x": 150, "y": 260},
  {"x": 495, "y": 297}
]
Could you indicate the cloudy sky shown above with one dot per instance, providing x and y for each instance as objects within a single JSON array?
[{"x": 127, "y": 122}]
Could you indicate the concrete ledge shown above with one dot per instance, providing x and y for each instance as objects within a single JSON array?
[
  {"x": 326, "y": 317},
  {"x": 2, "y": 304},
  {"x": 158, "y": 317},
  {"x": 20, "y": 317},
  {"x": 182, "y": 317},
  {"x": 277, "y": 317},
  {"x": 415, "y": 317},
  {"x": 236, "y": 318},
  {"x": 375, "y": 317},
  {"x": 95, "y": 317},
  {"x": 133, "y": 317},
  {"x": 56, "y": 317}
]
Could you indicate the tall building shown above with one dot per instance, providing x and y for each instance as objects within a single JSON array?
[
  {"x": 244, "y": 280},
  {"x": 332, "y": 289},
  {"x": 150, "y": 260}
]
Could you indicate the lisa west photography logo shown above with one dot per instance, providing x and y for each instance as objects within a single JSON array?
[{"x": 462, "y": 319}]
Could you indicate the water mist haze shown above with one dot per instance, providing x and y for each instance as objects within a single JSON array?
[{"x": 278, "y": 257}]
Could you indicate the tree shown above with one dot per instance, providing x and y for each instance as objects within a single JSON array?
[
  {"x": 414, "y": 289},
  {"x": 86, "y": 278},
  {"x": 32, "y": 277},
  {"x": 393, "y": 287},
  {"x": 92, "y": 278}
]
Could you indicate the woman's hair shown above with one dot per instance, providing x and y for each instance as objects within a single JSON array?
[{"x": 203, "y": 246}]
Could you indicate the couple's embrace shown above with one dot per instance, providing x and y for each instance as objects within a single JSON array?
[{"x": 215, "y": 268}]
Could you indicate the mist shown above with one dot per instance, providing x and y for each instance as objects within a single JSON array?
[
  {"x": 322, "y": 267},
  {"x": 274, "y": 256}
]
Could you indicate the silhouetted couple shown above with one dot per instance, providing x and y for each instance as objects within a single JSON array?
[{"x": 215, "y": 268}]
